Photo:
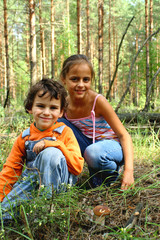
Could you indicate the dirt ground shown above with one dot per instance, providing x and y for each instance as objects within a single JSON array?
[
  {"x": 144, "y": 199},
  {"x": 140, "y": 206}
]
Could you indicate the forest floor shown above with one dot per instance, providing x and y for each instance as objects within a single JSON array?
[{"x": 81, "y": 225}]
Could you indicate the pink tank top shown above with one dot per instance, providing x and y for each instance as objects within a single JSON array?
[{"x": 94, "y": 127}]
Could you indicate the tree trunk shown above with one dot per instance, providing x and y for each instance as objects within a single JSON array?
[
  {"x": 68, "y": 26},
  {"x": 79, "y": 26},
  {"x": 114, "y": 52},
  {"x": 147, "y": 46},
  {"x": 33, "y": 62},
  {"x": 7, "y": 100},
  {"x": 1, "y": 65},
  {"x": 109, "y": 49},
  {"x": 100, "y": 43},
  {"x": 52, "y": 39},
  {"x": 42, "y": 40},
  {"x": 88, "y": 26}
]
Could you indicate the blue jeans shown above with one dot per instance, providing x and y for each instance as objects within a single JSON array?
[
  {"x": 49, "y": 168},
  {"x": 103, "y": 158}
]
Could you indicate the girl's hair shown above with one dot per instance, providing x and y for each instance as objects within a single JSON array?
[
  {"x": 54, "y": 88},
  {"x": 73, "y": 60}
]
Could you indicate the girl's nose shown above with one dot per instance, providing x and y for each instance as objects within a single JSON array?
[{"x": 80, "y": 83}]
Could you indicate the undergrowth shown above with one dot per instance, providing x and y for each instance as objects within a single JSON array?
[{"x": 69, "y": 215}]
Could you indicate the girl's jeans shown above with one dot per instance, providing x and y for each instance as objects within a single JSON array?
[
  {"x": 104, "y": 157},
  {"x": 48, "y": 168}
]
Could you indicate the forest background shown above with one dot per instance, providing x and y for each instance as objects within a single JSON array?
[{"x": 121, "y": 38}]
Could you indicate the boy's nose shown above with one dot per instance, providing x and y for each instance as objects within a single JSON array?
[{"x": 46, "y": 111}]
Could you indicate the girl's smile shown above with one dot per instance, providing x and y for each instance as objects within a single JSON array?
[{"x": 78, "y": 80}]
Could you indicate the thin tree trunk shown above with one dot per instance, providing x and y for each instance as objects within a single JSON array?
[
  {"x": 100, "y": 43},
  {"x": 79, "y": 26},
  {"x": 114, "y": 52},
  {"x": 7, "y": 100},
  {"x": 147, "y": 46},
  {"x": 131, "y": 68},
  {"x": 157, "y": 59},
  {"x": 1, "y": 65},
  {"x": 42, "y": 40},
  {"x": 33, "y": 62},
  {"x": 68, "y": 26},
  {"x": 52, "y": 39},
  {"x": 88, "y": 27},
  {"x": 109, "y": 49}
]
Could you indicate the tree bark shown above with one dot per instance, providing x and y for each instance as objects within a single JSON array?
[
  {"x": 79, "y": 26},
  {"x": 7, "y": 100},
  {"x": 88, "y": 27},
  {"x": 147, "y": 46},
  {"x": 33, "y": 63},
  {"x": 109, "y": 49},
  {"x": 68, "y": 26},
  {"x": 52, "y": 39},
  {"x": 100, "y": 42},
  {"x": 42, "y": 40},
  {"x": 1, "y": 65}
]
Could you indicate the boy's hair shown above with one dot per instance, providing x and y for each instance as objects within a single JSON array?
[
  {"x": 54, "y": 88},
  {"x": 73, "y": 60}
]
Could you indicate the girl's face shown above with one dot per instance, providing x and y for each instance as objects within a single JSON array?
[
  {"x": 78, "y": 80},
  {"x": 45, "y": 111}
]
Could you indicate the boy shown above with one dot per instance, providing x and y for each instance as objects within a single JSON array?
[{"x": 52, "y": 154}]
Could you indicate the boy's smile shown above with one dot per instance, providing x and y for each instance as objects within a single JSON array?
[{"x": 45, "y": 110}]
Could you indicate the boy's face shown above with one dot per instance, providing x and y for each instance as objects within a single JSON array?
[{"x": 45, "y": 111}]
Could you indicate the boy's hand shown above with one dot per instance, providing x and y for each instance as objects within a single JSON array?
[
  {"x": 38, "y": 147},
  {"x": 127, "y": 180}
]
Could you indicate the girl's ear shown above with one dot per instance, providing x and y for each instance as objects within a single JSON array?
[{"x": 63, "y": 81}]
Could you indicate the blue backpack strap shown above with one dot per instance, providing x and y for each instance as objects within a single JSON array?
[
  {"x": 26, "y": 132},
  {"x": 59, "y": 129}
]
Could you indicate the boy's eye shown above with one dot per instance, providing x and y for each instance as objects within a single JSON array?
[
  {"x": 40, "y": 105},
  {"x": 53, "y": 108}
]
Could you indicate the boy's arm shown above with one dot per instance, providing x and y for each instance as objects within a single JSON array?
[
  {"x": 68, "y": 144},
  {"x": 12, "y": 168}
]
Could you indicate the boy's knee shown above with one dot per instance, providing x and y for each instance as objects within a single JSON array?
[{"x": 49, "y": 157}]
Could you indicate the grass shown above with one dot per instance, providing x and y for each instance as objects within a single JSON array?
[{"x": 69, "y": 215}]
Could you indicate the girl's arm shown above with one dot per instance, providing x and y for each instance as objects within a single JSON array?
[{"x": 103, "y": 108}]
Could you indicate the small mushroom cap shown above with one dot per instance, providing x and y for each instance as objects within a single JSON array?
[{"x": 101, "y": 210}]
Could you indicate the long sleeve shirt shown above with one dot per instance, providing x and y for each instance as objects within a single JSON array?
[{"x": 65, "y": 141}]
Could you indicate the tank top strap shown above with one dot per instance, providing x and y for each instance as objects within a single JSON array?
[
  {"x": 95, "y": 102},
  {"x": 93, "y": 116}
]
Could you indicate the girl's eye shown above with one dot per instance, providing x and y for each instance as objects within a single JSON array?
[
  {"x": 86, "y": 79},
  {"x": 74, "y": 79}
]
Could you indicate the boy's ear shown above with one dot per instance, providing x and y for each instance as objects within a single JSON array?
[
  {"x": 61, "y": 113},
  {"x": 29, "y": 111}
]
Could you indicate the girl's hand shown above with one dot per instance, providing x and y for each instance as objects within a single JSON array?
[
  {"x": 127, "y": 180},
  {"x": 38, "y": 147}
]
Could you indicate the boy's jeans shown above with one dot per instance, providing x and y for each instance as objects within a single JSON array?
[{"x": 49, "y": 169}]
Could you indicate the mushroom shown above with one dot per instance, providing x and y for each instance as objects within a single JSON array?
[{"x": 100, "y": 211}]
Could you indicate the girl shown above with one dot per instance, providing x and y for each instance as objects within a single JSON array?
[{"x": 104, "y": 142}]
